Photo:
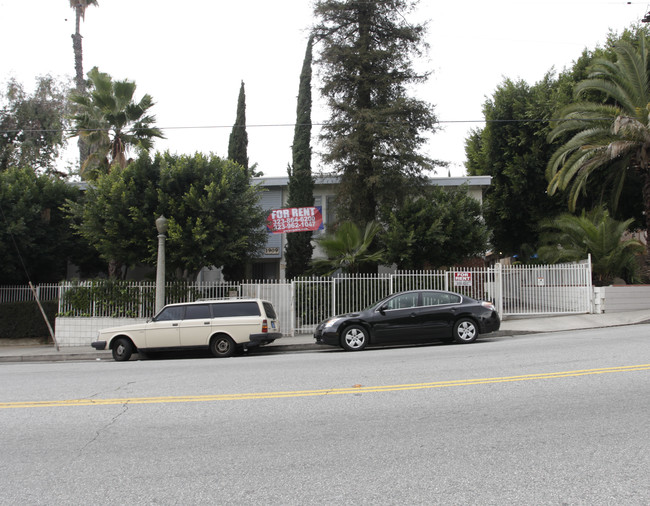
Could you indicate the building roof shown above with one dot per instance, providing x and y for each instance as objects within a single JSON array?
[{"x": 334, "y": 179}]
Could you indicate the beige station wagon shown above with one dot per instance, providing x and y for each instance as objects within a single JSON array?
[{"x": 223, "y": 326}]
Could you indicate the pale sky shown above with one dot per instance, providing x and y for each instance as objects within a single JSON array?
[{"x": 192, "y": 56}]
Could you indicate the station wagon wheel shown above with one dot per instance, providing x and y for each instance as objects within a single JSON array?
[
  {"x": 465, "y": 331},
  {"x": 122, "y": 349},
  {"x": 354, "y": 338},
  {"x": 222, "y": 346}
]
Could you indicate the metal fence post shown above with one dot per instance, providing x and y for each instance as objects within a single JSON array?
[{"x": 498, "y": 274}]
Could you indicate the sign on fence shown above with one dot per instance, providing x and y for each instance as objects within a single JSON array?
[{"x": 462, "y": 279}]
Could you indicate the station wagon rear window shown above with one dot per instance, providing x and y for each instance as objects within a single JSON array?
[
  {"x": 270, "y": 312},
  {"x": 226, "y": 309}
]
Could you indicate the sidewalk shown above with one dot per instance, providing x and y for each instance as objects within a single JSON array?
[{"x": 25, "y": 351}]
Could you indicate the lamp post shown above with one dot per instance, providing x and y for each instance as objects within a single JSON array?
[{"x": 161, "y": 225}]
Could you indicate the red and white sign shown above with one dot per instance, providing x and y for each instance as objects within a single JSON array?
[
  {"x": 462, "y": 279},
  {"x": 295, "y": 219}
]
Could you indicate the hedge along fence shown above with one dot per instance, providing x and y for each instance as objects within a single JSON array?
[
  {"x": 120, "y": 299},
  {"x": 20, "y": 320}
]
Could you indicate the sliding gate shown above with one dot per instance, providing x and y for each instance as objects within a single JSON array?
[{"x": 515, "y": 290}]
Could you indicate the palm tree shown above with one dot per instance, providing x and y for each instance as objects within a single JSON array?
[
  {"x": 571, "y": 238},
  {"x": 80, "y": 7},
  {"x": 110, "y": 122},
  {"x": 612, "y": 136},
  {"x": 348, "y": 249}
]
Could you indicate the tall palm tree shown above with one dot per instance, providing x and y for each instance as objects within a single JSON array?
[
  {"x": 110, "y": 122},
  {"x": 570, "y": 238},
  {"x": 80, "y": 7},
  {"x": 612, "y": 136},
  {"x": 348, "y": 249}
]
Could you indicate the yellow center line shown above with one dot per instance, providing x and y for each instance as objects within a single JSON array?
[{"x": 313, "y": 393}]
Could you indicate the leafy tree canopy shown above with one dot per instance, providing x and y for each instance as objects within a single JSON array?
[
  {"x": 213, "y": 213},
  {"x": 512, "y": 148},
  {"x": 35, "y": 239},
  {"x": 32, "y": 125},
  {"x": 213, "y": 210},
  {"x": 442, "y": 228}
]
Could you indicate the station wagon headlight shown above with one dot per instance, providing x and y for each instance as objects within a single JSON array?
[{"x": 331, "y": 322}]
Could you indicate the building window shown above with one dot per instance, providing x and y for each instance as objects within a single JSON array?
[{"x": 330, "y": 210}]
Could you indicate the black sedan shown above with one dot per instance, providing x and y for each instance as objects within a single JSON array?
[{"x": 412, "y": 317}]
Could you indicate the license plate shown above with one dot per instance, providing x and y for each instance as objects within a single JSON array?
[{"x": 272, "y": 325}]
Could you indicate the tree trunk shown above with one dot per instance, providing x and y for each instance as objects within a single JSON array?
[
  {"x": 79, "y": 80},
  {"x": 365, "y": 209}
]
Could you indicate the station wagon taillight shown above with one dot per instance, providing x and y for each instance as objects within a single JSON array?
[{"x": 265, "y": 326}]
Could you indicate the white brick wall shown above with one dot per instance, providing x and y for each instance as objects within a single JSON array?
[{"x": 80, "y": 331}]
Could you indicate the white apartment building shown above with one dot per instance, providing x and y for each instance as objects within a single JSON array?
[{"x": 271, "y": 265}]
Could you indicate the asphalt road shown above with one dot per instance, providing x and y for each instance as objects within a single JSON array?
[{"x": 557, "y": 418}]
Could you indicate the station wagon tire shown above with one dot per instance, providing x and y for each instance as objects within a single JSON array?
[
  {"x": 465, "y": 331},
  {"x": 354, "y": 338},
  {"x": 222, "y": 346},
  {"x": 122, "y": 349}
]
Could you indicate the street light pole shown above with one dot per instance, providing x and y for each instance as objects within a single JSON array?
[{"x": 161, "y": 225}]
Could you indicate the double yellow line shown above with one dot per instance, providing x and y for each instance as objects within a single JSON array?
[{"x": 356, "y": 389}]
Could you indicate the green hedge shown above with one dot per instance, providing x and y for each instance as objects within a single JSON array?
[{"x": 20, "y": 320}]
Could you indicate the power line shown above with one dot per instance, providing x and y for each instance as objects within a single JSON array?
[{"x": 291, "y": 125}]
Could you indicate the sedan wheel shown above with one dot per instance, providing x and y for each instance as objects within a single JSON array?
[
  {"x": 465, "y": 331},
  {"x": 354, "y": 338}
]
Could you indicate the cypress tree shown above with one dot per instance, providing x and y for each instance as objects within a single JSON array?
[
  {"x": 299, "y": 248},
  {"x": 238, "y": 143}
]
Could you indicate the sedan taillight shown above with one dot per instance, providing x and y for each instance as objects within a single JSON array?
[{"x": 488, "y": 305}]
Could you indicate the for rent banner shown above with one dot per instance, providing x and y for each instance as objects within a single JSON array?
[{"x": 295, "y": 219}]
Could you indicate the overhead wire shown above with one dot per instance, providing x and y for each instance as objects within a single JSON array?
[{"x": 288, "y": 125}]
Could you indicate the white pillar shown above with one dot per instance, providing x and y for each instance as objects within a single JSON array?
[{"x": 161, "y": 225}]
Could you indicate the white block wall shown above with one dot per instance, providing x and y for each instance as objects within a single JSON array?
[
  {"x": 80, "y": 331},
  {"x": 616, "y": 299}
]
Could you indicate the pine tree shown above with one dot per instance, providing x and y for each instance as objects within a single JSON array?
[
  {"x": 238, "y": 143},
  {"x": 299, "y": 248},
  {"x": 375, "y": 130}
]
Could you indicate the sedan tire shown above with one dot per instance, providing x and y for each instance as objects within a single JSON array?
[
  {"x": 354, "y": 338},
  {"x": 465, "y": 331}
]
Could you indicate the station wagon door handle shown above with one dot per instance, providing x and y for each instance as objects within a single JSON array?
[
  {"x": 206, "y": 323},
  {"x": 174, "y": 324}
]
